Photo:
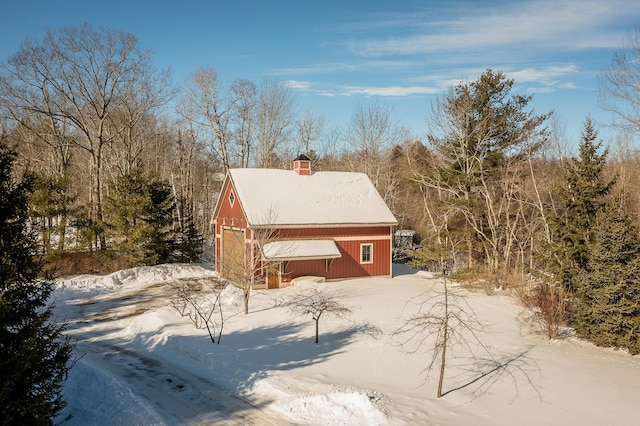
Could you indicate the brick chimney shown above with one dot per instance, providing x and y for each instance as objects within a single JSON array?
[{"x": 302, "y": 165}]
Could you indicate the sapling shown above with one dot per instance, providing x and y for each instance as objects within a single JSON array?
[
  {"x": 315, "y": 303},
  {"x": 449, "y": 318}
]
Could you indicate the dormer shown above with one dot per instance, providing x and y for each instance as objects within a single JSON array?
[{"x": 302, "y": 165}]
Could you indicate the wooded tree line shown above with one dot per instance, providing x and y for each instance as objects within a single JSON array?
[
  {"x": 111, "y": 144},
  {"x": 122, "y": 160}
]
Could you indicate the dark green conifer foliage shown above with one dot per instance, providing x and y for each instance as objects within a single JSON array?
[
  {"x": 34, "y": 355},
  {"x": 159, "y": 237},
  {"x": 49, "y": 200},
  {"x": 607, "y": 304},
  {"x": 584, "y": 196},
  {"x": 141, "y": 216},
  {"x": 189, "y": 242},
  {"x": 480, "y": 127}
]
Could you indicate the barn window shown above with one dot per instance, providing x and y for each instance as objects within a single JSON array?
[
  {"x": 366, "y": 253},
  {"x": 232, "y": 198}
]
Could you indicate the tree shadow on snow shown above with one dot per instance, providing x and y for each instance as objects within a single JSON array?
[
  {"x": 267, "y": 349},
  {"x": 482, "y": 374},
  {"x": 247, "y": 356},
  {"x": 187, "y": 365}
]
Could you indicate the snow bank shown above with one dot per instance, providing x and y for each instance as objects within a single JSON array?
[
  {"x": 336, "y": 408},
  {"x": 142, "y": 274},
  {"x": 307, "y": 280}
]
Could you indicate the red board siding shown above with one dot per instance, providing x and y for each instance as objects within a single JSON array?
[
  {"x": 348, "y": 266},
  {"x": 230, "y": 216},
  {"x": 299, "y": 268},
  {"x": 333, "y": 232},
  {"x": 348, "y": 240}
]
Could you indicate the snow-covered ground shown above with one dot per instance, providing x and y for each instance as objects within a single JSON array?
[{"x": 142, "y": 363}]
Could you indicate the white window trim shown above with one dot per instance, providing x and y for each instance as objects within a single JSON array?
[
  {"x": 362, "y": 246},
  {"x": 232, "y": 198}
]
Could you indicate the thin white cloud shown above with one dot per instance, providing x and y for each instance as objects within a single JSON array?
[
  {"x": 538, "y": 43},
  {"x": 334, "y": 67},
  {"x": 391, "y": 91},
  {"x": 350, "y": 90},
  {"x": 544, "y": 24},
  {"x": 300, "y": 85},
  {"x": 540, "y": 80},
  {"x": 543, "y": 74}
]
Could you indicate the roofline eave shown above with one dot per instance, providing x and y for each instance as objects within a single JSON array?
[
  {"x": 320, "y": 225},
  {"x": 290, "y": 258}
]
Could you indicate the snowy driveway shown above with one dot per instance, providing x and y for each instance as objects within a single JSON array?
[{"x": 121, "y": 381}]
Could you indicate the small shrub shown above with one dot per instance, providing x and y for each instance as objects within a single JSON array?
[
  {"x": 546, "y": 308},
  {"x": 474, "y": 279}
]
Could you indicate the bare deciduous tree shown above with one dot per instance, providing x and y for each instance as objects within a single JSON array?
[
  {"x": 208, "y": 105},
  {"x": 619, "y": 90},
  {"x": 315, "y": 302},
  {"x": 243, "y": 120},
  {"x": 274, "y": 122},
  {"x": 310, "y": 130},
  {"x": 200, "y": 301},
  {"x": 243, "y": 259},
  {"x": 371, "y": 133},
  {"x": 99, "y": 82},
  {"x": 446, "y": 317}
]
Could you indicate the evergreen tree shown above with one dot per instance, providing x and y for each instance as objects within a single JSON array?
[
  {"x": 584, "y": 196},
  {"x": 159, "y": 241},
  {"x": 34, "y": 355},
  {"x": 49, "y": 207},
  {"x": 189, "y": 242},
  {"x": 477, "y": 129},
  {"x": 607, "y": 304},
  {"x": 141, "y": 216}
]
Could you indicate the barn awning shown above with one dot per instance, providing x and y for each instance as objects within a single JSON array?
[{"x": 300, "y": 250}]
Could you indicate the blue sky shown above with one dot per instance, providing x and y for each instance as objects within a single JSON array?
[{"x": 334, "y": 54}]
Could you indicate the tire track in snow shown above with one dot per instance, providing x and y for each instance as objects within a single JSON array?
[{"x": 176, "y": 394}]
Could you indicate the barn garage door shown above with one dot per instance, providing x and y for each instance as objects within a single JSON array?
[{"x": 233, "y": 263}]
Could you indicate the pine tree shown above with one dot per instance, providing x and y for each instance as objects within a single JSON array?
[
  {"x": 48, "y": 201},
  {"x": 478, "y": 129},
  {"x": 141, "y": 217},
  {"x": 607, "y": 304},
  {"x": 34, "y": 355},
  {"x": 584, "y": 196},
  {"x": 159, "y": 238},
  {"x": 189, "y": 242}
]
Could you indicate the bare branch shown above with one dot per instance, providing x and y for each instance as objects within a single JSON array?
[{"x": 316, "y": 303}]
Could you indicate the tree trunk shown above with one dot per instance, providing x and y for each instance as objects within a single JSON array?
[
  {"x": 317, "y": 322},
  {"x": 444, "y": 341},
  {"x": 99, "y": 214}
]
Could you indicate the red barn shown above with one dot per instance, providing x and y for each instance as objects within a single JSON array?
[{"x": 276, "y": 225}]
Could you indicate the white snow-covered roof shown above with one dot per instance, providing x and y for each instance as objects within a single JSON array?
[
  {"x": 282, "y": 197},
  {"x": 301, "y": 249}
]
